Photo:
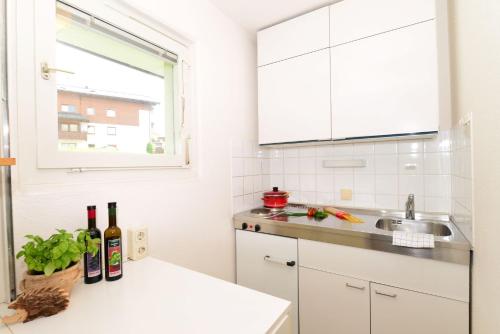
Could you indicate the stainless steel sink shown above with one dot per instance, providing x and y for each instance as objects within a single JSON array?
[{"x": 389, "y": 224}]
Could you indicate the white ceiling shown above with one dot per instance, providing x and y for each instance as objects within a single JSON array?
[{"x": 257, "y": 14}]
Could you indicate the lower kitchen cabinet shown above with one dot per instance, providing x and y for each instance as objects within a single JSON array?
[
  {"x": 268, "y": 263},
  {"x": 397, "y": 311},
  {"x": 331, "y": 303}
]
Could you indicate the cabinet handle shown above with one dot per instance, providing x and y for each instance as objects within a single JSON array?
[
  {"x": 354, "y": 286},
  {"x": 283, "y": 262},
  {"x": 392, "y": 295}
]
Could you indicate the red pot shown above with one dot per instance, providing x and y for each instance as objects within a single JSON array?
[{"x": 275, "y": 199}]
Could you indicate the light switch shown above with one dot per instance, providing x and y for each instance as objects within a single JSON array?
[
  {"x": 346, "y": 194},
  {"x": 137, "y": 243}
]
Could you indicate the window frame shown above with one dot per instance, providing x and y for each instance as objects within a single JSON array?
[
  {"x": 111, "y": 128},
  {"x": 90, "y": 113},
  {"x": 48, "y": 153}
]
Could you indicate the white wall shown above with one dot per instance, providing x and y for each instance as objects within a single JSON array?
[
  {"x": 384, "y": 182},
  {"x": 188, "y": 212},
  {"x": 475, "y": 49}
]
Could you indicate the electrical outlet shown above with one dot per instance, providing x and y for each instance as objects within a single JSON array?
[
  {"x": 138, "y": 247},
  {"x": 346, "y": 194}
]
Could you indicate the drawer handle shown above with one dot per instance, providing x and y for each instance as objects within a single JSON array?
[
  {"x": 392, "y": 295},
  {"x": 282, "y": 262},
  {"x": 354, "y": 286}
]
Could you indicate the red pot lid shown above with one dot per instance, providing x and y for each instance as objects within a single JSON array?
[{"x": 276, "y": 192}]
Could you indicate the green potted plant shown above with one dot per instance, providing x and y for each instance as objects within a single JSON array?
[{"x": 55, "y": 262}]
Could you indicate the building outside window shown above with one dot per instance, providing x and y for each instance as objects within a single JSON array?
[
  {"x": 111, "y": 131},
  {"x": 64, "y": 127},
  {"x": 90, "y": 111},
  {"x": 68, "y": 146},
  {"x": 91, "y": 130},
  {"x": 73, "y": 127},
  {"x": 110, "y": 113},
  {"x": 68, "y": 108}
]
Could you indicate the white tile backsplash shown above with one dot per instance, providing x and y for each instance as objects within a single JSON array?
[{"x": 427, "y": 168}]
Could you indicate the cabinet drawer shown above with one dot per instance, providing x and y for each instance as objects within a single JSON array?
[
  {"x": 301, "y": 35},
  {"x": 428, "y": 276},
  {"x": 332, "y": 303},
  {"x": 396, "y": 311},
  {"x": 294, "y": 99},
  {"x": 355, "y": 19}
]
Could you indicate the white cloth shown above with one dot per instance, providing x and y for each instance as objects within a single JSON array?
[{"x": 414, "y": 240}]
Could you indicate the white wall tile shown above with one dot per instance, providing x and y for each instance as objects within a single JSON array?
[
  {"x": 437, "y": 204},
  {"x": 386, "y": 164},
  {"x": 324, "y": 183},
  {"x": 419, "y": 203},
  {"x": 441, "y": 143},
  {"x": 411, "y": 184},
  {"x": 364, "y": 184},
  {"x": 257, "y": 183},
  {"x": 386, "y": 184},
  {"x": 364, "y": 148},
  {"x": 343, "y": 149},
  {"x": 238, "y": 166},
  {"x": 307, "y": 152},
  {"x": 390, "y": 147},
  {"x": 266, "y": 166},
  {"x": 411, "y": 163},
  {"x": 437, "y": 185},
  {"x": 386, "y": 201},
  {"x": 308, "y": 197},
  {"x": 291, "y": 165},
  {"x": 292, "y": 182},
  {"x": 410, "y": 146},
  {"x": 437, "y": 163},
  {"x": 276, "y": 153},
  {"x": 237, "y": 186},
  {"x": 266, "y": 182},
  {"x": 370, "y": 164},
  {"x": 247, "y": 185},
  {"x": 324, "y": 198},
  {"x": 276, "y": 166},
  {"x": 291, "y": 152},
  {"x": 294, "y": 196},
  {"x": 307, "y": 182},
  {"x": 343, "y": 182},
  {"x": 307, "y": 165},
  {"x": 324, "y": 151},
  {"x": 319, "y": 166},
  {"x": 238, "y": 204},
  {"x": 364, "y": 201},
  {"x": 276, "y": 181}
]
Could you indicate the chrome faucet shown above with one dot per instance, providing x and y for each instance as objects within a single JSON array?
[{"x": 410, "y": 207}]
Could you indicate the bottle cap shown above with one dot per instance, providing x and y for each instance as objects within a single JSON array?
[
  {"x": 112, "y": 205},
  {"x": 91, "y": 207}
]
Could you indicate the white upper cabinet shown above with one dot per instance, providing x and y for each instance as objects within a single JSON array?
[
  {"x": 301, "y": 35},
  {"x": 294, "y": 99},
  {"x": 386, "y": 84},
  {"x": 355, "y": 19}
]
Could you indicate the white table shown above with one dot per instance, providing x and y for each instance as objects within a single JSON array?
[{"x": 158, "y": 297}]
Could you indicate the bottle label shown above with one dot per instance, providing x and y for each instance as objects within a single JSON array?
[
  {"x": 114, "y": 257},
  {"x": 94, "y": 263}
]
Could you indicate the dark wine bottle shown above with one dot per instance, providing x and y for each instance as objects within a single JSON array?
[
  {"x": 113, "y": 247},
  {"x": 93, "y": 264}
]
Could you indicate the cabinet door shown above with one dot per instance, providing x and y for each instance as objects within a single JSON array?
[
  {"x": 386, "y": 84},
  {"x": 331, "y": 303},
  {"x": 294, "y": 99},
  {"x": 268, "y": 263},
  {"x": 301, "y": 35},
  {"x": 396, "y": 311},
  {"x": 356, "y": 19}
]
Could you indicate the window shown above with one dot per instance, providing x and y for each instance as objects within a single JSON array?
[
  {"x": 68, "y": 146},
  {"x": 110, "y": 113},
  {"x": 111, "y": 131},
  {"x": 138, "y": 77},
  {"x": 64, "y": 127},
  {"x": 68, "y": 108},
  {"x": 73, "y": 127}
]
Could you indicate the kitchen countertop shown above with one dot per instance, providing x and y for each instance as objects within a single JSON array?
[
  {"x": 158, "y": 297},
  {"x": 454, "y": 248}
]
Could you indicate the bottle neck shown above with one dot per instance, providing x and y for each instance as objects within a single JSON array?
[
  {"x": 112, "y": 216},
  {"x": 91, "y": 219}
]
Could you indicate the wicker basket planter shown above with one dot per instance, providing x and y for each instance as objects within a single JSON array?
[{"x": 64, "y": 279}]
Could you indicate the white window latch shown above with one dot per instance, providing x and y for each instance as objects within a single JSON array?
[{"x": 46, "y": 70}]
